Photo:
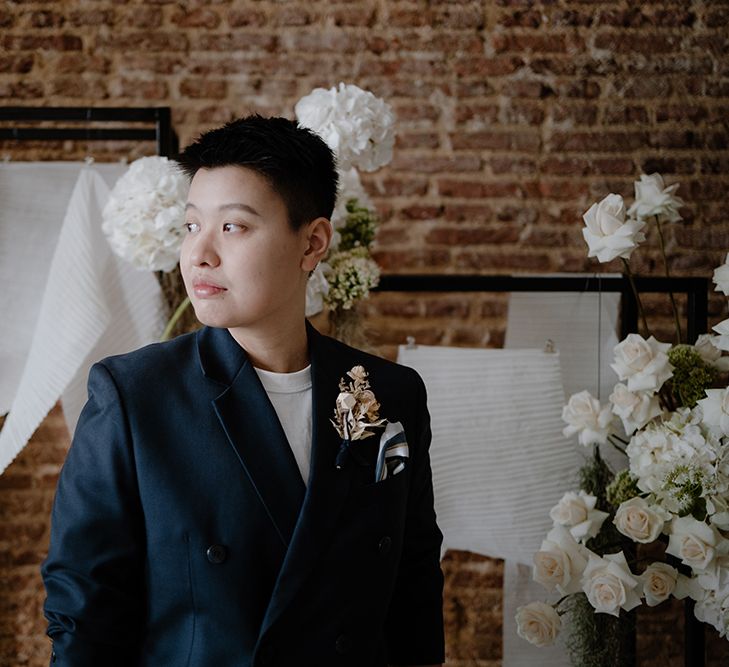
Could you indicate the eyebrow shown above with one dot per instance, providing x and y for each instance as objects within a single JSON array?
[{"x": 227, "y": 207}]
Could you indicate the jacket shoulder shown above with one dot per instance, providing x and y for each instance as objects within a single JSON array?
[{"x": 153, "y": 361}]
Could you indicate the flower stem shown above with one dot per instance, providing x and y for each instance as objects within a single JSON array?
[
  {"x": 665, "y": 264},
  {"x": 635, "y": 294},
  {"x": 618, "y": 447},
  {"x": 175, "y": 317}
]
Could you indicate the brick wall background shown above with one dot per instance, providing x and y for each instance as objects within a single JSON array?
[{"x": 514, "y": 116}]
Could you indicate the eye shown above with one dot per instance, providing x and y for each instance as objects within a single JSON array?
[
  {"x": 226, "y": 225},
  {"x": 191, "y": 225}
]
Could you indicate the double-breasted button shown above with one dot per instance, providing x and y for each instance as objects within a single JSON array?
[
  {"x": 216, "y": 553},
  {"x": 385, "y": 545},
  {"x": 343, "y": 644}
]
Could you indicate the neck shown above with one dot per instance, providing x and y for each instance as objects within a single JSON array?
[{"x": 283, "y": 349}]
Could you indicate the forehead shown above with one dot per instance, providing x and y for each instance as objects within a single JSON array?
[{"x": 232, "y": 184}]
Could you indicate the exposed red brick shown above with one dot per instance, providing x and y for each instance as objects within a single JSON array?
[{"x": 197, "y": 18}]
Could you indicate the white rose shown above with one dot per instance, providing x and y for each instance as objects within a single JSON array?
[
  {"x": 643, "y": 363},
  {"x": 584, "y": 416},
  {"x": 715, "y": 408},
  {"x": 721, "y": 277},
  {"x": 639, "y": 521},
  {"x": 659, "y": 581},
  {"x": 560, "y": 562},
  {"x": 609, "y": 584},
  {"x": 635, "y": 409},
  {"x": 695, "y": 543},
  {"x": 722, "y": 340},
  {"x": 707, "y": 345},
  {"x": 577, "y": 512},
  {"x": 538, "y": 623},
  {"x": 607, "y": 233},
  {"x": 652, "y": 197}
]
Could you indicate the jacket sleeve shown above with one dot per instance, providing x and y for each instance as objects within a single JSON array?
[
  {"x": 93, "y": 573},
  {"x": 414, "y": 626}
]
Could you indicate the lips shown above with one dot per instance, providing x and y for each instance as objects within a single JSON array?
[{"x": 204, "y": 287}]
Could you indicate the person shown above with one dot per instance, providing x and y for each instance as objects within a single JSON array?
[{"x": 209, "y": 513}]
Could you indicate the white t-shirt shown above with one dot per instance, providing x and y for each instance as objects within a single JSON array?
[{"x": 290, "y": 394}]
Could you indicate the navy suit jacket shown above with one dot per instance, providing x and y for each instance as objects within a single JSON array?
[{"x": 183, "y": 534}]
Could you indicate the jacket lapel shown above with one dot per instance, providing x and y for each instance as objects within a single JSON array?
[
  {"x": 253, "y": 429},
  {"x": 327, "y": 487}
]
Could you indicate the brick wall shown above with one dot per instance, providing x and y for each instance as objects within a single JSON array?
[{"x": 514, "y": 116}]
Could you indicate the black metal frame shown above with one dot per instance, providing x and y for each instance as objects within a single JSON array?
[
  {"x": 696, "y": 290},
  {"x": 162, "y": 133},
  {"x": 697, "y": 313}
]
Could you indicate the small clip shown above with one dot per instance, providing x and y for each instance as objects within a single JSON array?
[
  {"x": 89, "y": 159},
  {"x": 549, "y": 346},
  {"x": 410, "y": 343}
]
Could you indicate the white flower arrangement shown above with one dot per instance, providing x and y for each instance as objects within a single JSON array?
[
  {"x": 143, "y": 216},
  {"x": 673, "y": 428},
  {"x": 360, "y": 129}
]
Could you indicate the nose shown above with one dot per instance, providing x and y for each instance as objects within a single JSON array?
[{"x": 201, "y": 250}]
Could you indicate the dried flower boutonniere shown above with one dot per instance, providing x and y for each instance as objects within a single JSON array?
[{"x": 355, "y": 412}]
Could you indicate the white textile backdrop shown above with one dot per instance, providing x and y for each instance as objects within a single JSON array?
[{"x": 67, "y": 300}]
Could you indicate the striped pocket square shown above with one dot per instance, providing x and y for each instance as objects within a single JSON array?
[{"x": 393, "y": 451}]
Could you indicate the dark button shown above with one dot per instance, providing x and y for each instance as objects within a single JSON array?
[
  {"x": 53, "y": 656},
  {"x": 385, "y": 544},
  {"x": 216, "y": 553},
  {"x": 342, "y": 645}
]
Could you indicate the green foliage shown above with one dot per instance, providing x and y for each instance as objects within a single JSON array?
[
  {"x": 622, "y": 488},
  {"x": 597, "y": 640},
  {"x": 359, "y": 227},
  {"x": 595, "y": 476},
  {"x": 686, "y": 485},
  {"x": 691, "y": 375}
]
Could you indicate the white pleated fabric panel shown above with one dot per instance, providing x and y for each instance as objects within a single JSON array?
[
  {"x": 498, "y": 455},
  {"x": 93, "y": 304}
]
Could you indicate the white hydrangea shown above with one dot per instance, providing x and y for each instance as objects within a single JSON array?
[
  {"x": 144, "y": 216},
  {"x": 715, "y": 408},
  {"x": 355, "y": 124},
  {"x": 652, "y": 197},
  {"x": 317, "y": 288}
]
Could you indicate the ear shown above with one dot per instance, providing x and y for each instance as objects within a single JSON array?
[{"x": 318, "y": 238}]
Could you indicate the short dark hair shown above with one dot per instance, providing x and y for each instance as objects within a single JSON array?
[{"x": 296, "y": 161}]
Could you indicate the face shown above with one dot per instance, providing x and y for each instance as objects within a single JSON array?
[{"x": 242, "y": 264}]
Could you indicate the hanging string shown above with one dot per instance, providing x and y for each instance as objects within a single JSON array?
[{"x": 599, "y": 333}]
